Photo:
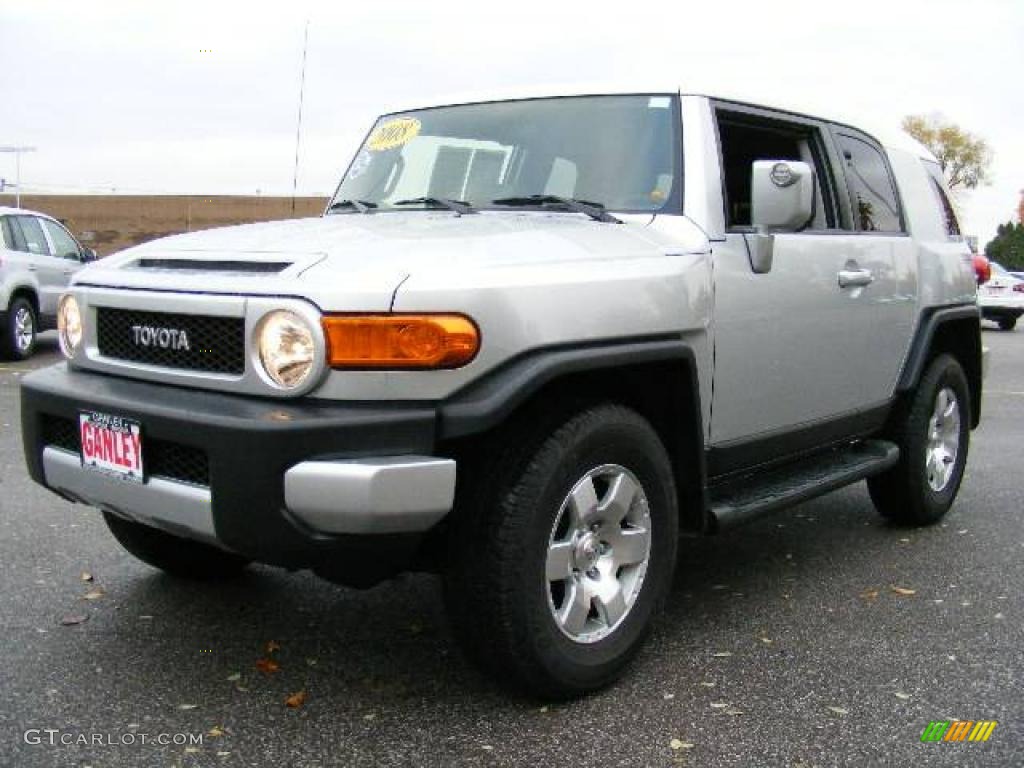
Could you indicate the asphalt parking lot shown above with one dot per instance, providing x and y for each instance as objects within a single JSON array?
[{"x": 785, "y": 643}]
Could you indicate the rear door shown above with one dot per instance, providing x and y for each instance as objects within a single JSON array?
[
  {"x": 886, "y": 252},
  {"x": 51, "y": 272}
]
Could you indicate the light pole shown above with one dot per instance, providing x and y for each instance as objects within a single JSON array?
[{"x": 18, "y": 151}]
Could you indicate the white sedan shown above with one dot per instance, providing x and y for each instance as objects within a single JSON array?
[{"x": 1002, "y": 298}]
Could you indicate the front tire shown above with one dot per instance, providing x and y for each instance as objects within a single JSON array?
[
  {"x": 1007, "y": 323},
  {"x": 175, "y": 555},
  {"x": 19, "y": 332},
  {"x": 563, "y": 547},
  {"x": 933, "y": 433}
]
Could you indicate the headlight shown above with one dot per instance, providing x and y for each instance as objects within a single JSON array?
[
  {"x": 287, "y": 348},
  {"x": 69, "y": 324}
]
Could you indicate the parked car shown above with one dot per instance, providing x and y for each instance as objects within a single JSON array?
[
  {"x": 1001, "y": 297},
  {"x": 1018, "y": 275},
  {"x": 38, "y": 256},
  {"x": 530, "y": 343}
]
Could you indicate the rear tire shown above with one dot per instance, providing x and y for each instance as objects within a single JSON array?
[
  {"x": 1007, "y": 323},
  {"x": 933, "y": 433},
  {"x": 563, "y": 547},
  {"x": 175, "y": 555},
  {"x": 18, "y": 336}
]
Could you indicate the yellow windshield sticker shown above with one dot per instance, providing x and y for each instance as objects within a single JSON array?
[{"x": 393, "y": 133}]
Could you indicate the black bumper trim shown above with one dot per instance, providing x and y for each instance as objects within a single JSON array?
[{"x": 250, "y": 443}]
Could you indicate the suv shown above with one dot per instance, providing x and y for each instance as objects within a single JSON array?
[
  {"x": 38, "y": 256},
  {"x": 1001, "y": 297},
  {"x": 529, "y": 345}
]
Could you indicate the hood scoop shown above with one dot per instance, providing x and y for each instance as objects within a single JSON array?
[{"x": 223, "y": 266}]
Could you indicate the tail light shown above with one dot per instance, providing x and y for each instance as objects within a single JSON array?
[
  {"x": 982, "y": 268},
  {"x": 1019, "y": 288}
]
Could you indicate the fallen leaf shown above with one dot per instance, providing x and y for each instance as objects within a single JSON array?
[
  {"x": 543, "y": 709},
  {"x": 145, "y": 617},
  {"x": 904, "y": 541},
  {"x": 223, "y": 754},
  {"x": 901, "y": 695},
  {"x": 235, "y": 677},
  {"x": 191, "y": 750},
  {"x": 488, "y": 747},
  {"x": 216, "y": 732},
  {"x": 719, "y": 704},
  {"x": 296, "y": 700},
  {"x": 272, "y": 647},
  {"x": 668, "y": 696},
  {"x": 707, "y": 683},
  {"x": 187, "y": 706},
  {"x": 722, "y": 654},
  {"x": 903, "y": 591},
  {"x": 70, "y": 621},
  {"x": 94, "y": 594},
  {"x": 679, "y": 744},
  {"x": 86, "y": 576},
  {"x": 267, "y": 666},
  {"x": 766, "y": 640},
  {"x": 311, "y": 662},
  {"x": 999, "y": 616},
  {"x": 370, "y": 716},
  {"x": 839, "y": 711},
  {"x": 869, "y": 594},
  {"x": 734, "y": 711}
]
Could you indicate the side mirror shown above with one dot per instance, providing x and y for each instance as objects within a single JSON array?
[
  {"x": 781, "y": 200},
  {"x": 88, "y": 254},
  {"x": 781, "y": 195}
]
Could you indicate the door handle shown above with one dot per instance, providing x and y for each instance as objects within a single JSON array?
[{"x": 852, "y": 278}]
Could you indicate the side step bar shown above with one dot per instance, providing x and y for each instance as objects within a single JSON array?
[{"x": 745, "y": 499}]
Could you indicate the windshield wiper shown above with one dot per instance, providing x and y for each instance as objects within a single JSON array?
[
  {"x": 459, "y": 206},
  {"x": 595, "y": 211},
  {"x": 363, "y": 206}
]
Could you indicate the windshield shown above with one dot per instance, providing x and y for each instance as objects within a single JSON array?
[{"x": 618, "y": 152}]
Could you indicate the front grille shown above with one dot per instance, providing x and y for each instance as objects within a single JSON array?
[
  {"x": 161, "y": 458},
  {"x": 214, "y": 344}
]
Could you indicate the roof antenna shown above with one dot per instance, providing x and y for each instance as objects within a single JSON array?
[{"x": 298, "y": 123}]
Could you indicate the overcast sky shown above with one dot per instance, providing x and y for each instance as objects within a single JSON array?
[{"x": 201, "y": 98}]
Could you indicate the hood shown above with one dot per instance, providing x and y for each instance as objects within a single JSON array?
[{"x": 357, "y": 261}]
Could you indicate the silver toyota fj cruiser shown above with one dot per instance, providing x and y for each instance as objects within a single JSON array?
[{"x": 529, "y": 344}]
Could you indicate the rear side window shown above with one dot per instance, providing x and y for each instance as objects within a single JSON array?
[
  {"x": 32, "y": 231},
  {"x": 945, "y": 204},
  {"x": 6, "y": 236},
  {"x": 872, "y": 192}
]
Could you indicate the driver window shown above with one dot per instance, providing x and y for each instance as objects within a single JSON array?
[
  {"x": 746, "y": 138},
  {"x": 64, "y": 244}
]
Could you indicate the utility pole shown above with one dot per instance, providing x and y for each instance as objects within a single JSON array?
[
  {"x": 18, "y": 151},
  {"x": 298, "y": 122}
]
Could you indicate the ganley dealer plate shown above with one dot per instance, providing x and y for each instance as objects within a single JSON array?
[{"x": 111, "y": 444}]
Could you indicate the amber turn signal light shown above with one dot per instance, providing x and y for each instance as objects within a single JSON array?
[{"x": 400, "y": 341}]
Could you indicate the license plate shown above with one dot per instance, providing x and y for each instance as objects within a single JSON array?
[{"x": 111, "y": 444}]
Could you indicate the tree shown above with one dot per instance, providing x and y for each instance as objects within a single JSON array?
[
  {"x": 964, "y": 157},
  {"x": 1007, "y": 247}
]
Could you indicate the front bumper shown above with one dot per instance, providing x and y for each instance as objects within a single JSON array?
[{"x": 292, "y": 484}]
